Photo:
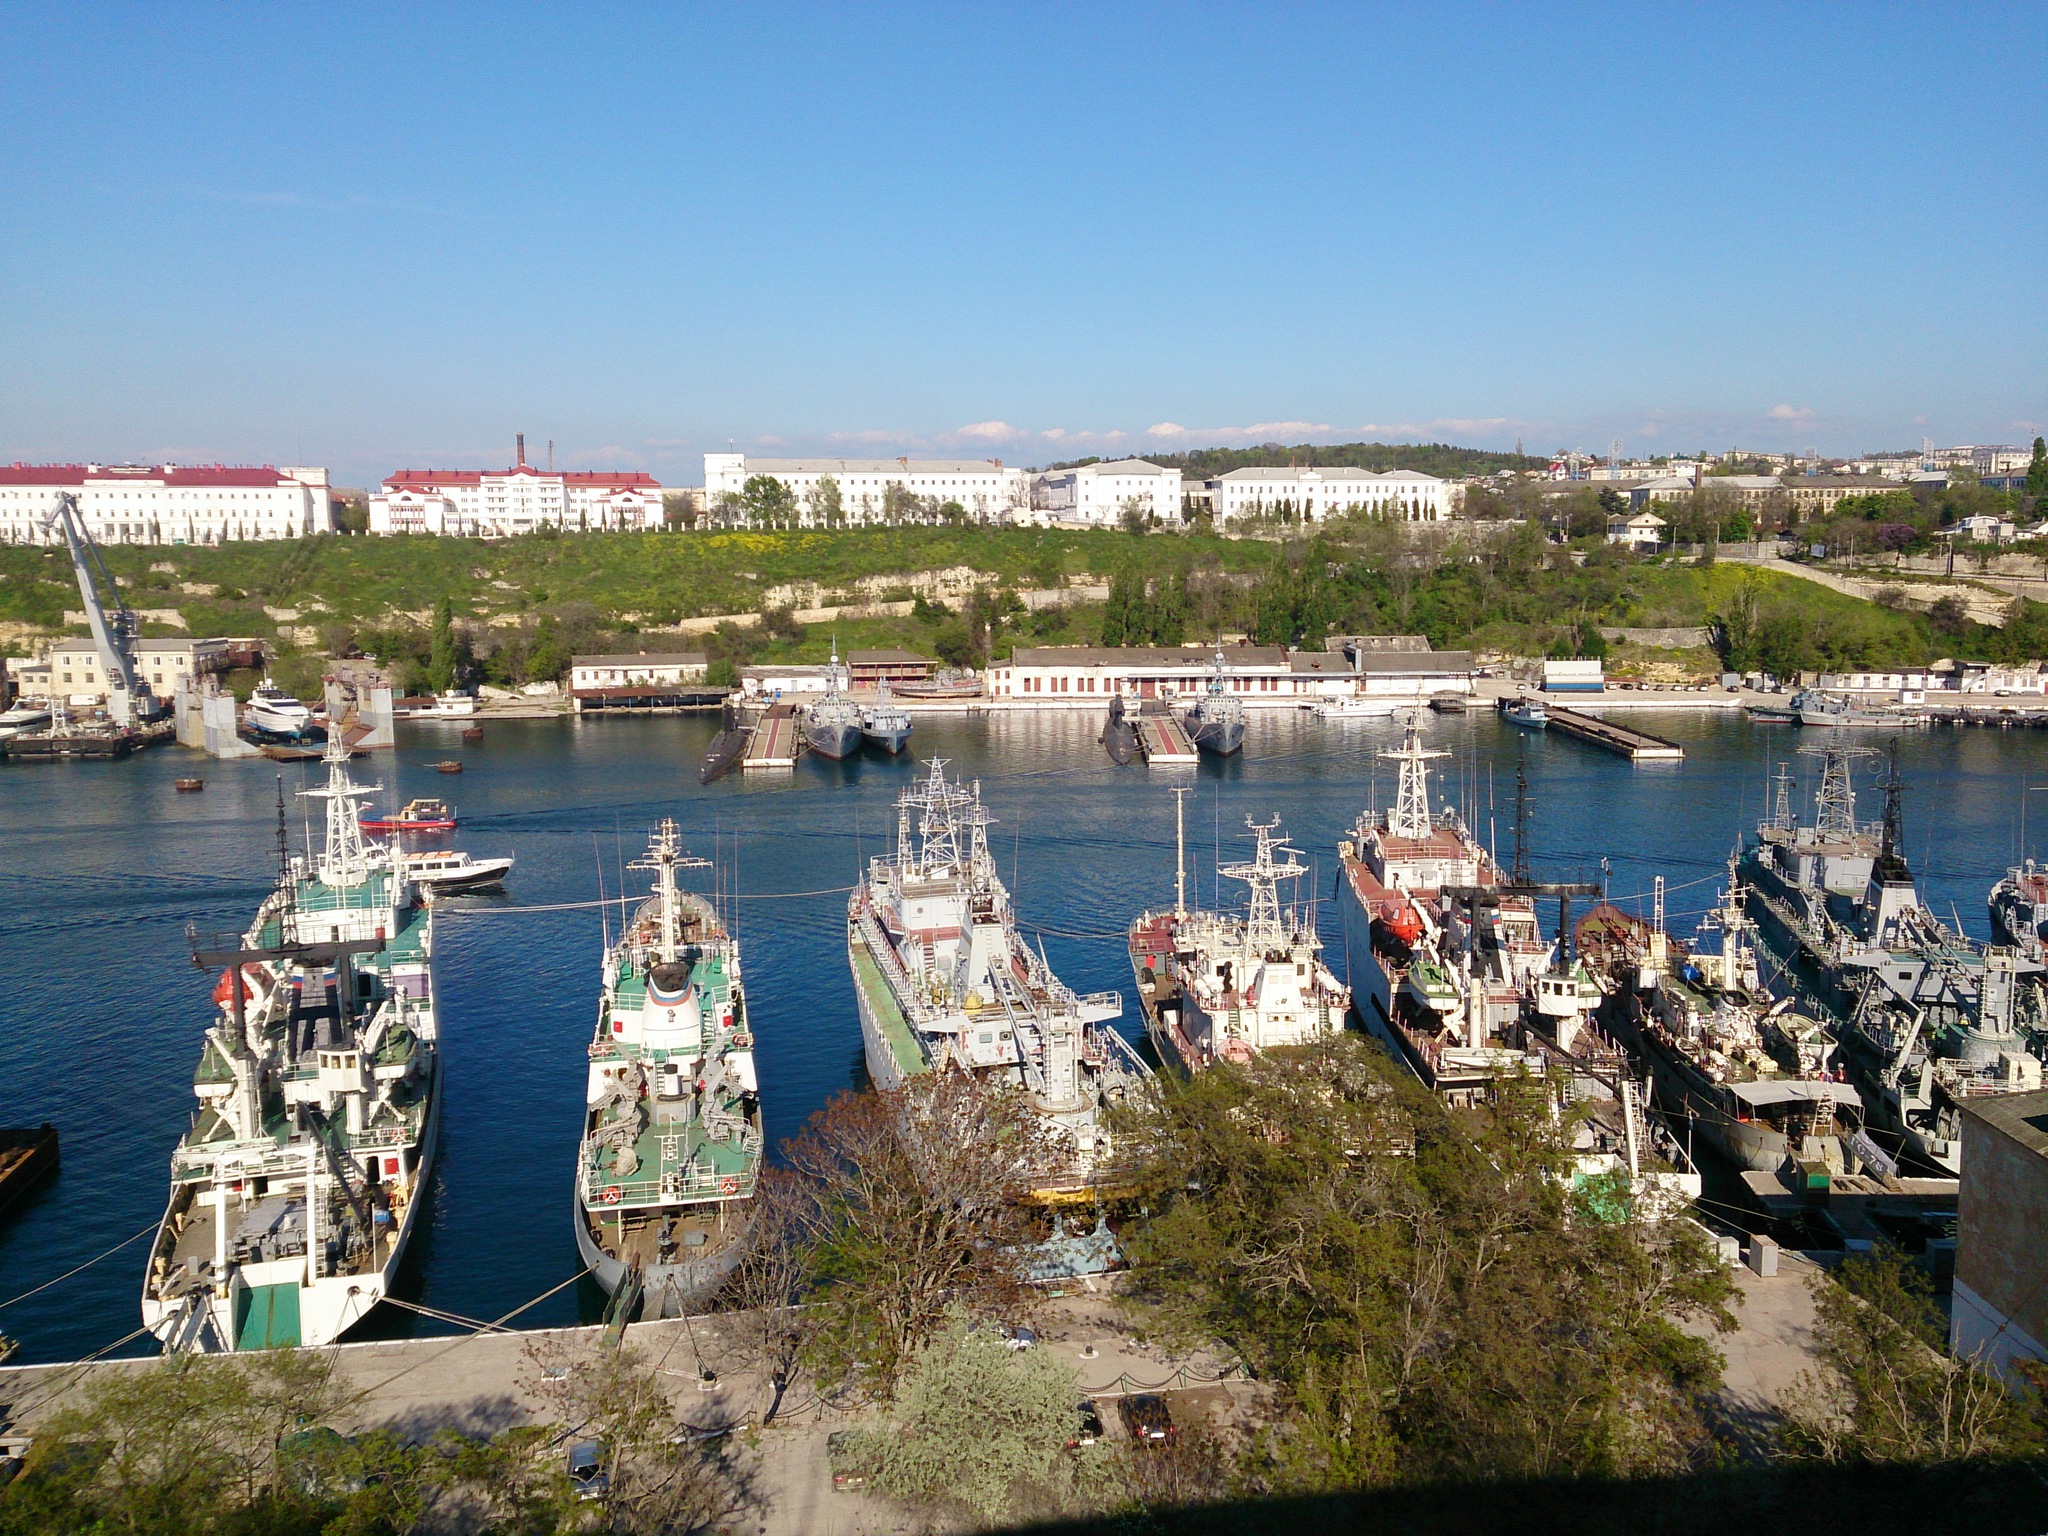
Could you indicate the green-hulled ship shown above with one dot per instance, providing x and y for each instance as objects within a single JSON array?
[
  {"x": 300, "y": 1181},
  {"x": 671, "y": 1147}
]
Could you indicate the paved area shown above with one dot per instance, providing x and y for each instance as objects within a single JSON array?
[{"x": 1772, "y": 1346}]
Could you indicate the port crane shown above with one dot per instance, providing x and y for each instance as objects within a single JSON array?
[{"x": 113, "y": 633}]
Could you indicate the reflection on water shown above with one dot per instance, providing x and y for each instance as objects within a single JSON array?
[{"x": 102, "y": 866}]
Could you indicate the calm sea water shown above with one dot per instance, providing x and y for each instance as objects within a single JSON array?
[{"x": 102, "y": 866}]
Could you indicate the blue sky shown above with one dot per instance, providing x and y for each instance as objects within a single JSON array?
[{"x": 383, "y": 237}]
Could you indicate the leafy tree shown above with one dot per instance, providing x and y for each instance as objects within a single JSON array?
[
  {"x": 977, "y": 1426},
  {"x": 1123, "y": 616},
  {"x": 907, "y": 1201},
  {"x": 1132, "y": 517},
  {"x": 823, "y": 501},
  {"x": 721, "y": 673},
  {"x": 547, "y": 661},
  {"x": 2037, "y": 473},
  {"x": 768, "y": 503},
  {"x": 1170, "y": 611},
  {"x": 1887, "y": 1389}
]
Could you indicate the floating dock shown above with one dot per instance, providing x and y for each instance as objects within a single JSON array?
[
  {"x": 1162, "y": 740},
  {"x": 1637, "y": 746},
  {"x": 775, "y": 740}
]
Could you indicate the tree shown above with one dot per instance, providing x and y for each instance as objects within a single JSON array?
[
  {"x": 2037, "y": 474},
  {"x": 823, "y": 501},
  {"x": 1360, "y": 1246},
  {"x": 441, "y": 653},
  {"x": 1887, "y": 1389},
  {"x": 679, "y": 510},
  {"x": 1132, "y": 515},
  {"x": 1170, "y": 611},
  {"x": 1123, "y": 617},
  {"x": 768, "y": 502},
  {"x": 977, "y": 1426},
  {"x": 905, "y": 1201}
]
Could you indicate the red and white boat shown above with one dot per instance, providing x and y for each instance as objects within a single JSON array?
[{"x": 423, "y": 815}]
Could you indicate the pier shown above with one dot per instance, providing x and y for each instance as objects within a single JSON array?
[
  {"x": 1162, "y": 740},
  {"x": 775, "y": 740},
  {"x": 1637, "y": 746}
]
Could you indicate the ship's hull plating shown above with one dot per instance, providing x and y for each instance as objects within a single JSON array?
[
  {"x": 834, "y": 741},
  {"x": 1679, "y": 1089},
  {"x": 668, "y": 1289},
  {"x": 891, "y": 739},
  {"x": 1219, "y": 738}
]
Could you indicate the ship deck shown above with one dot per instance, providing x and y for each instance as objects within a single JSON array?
[{"x": 887, "y": 1012}]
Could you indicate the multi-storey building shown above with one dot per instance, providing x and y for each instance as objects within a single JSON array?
[
  {"x": 1313, "y": 494},
  {"x": 989, "y": 490},
  {"x": 497, "y": 504},
  {"x": 165, "y": 503},
  {"x": 71, "y": 669},
  {"x": 1100, "y": 493}
]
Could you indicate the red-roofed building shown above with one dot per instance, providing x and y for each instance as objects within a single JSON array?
[
  {"x": 496, "y": 504},
  {"x": 166, "y": 503}
]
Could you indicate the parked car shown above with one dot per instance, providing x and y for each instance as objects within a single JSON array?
[
  {"x": 1091, "y": 1425},
  {"x": 1020, "y": 1338},
  {"x": 586, "y": 1470},
  {"x": 1145, "y": 1417}
]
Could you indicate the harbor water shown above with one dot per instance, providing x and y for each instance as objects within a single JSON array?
[{"x": 103, "y": 866}]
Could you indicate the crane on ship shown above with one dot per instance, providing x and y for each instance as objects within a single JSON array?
[{"x": 113, "y": 624}]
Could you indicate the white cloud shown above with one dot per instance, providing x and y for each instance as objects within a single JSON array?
[
  {"x": 767, "y": 441},
  {"x": 984, "y": 432},
  {"x": 1257, "y": 432},
  {"x": 1790, "y": 413},
  {"x": 872, "y": 435},
  {"x": 1053, "y": 434}
]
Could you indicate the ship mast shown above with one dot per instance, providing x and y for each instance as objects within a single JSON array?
[
  {"x": 1410, "y": 815},
  {"x": 345, "y": 857},
  {"x": 665, "y": 856},
  {"x": 1263, "y": 875},
  {"x": 1180, "y": 852}
]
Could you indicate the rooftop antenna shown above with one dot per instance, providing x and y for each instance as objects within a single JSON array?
[
  {"x": 519, "y": 440},
  {"x": 551, "y": 455}
]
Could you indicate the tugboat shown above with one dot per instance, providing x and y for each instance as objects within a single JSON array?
[
  {"x": 945, "y": 983},
  {"x": 833, "y": 726},
  {"x": 1228, "y": 985},
  {"x": 302, "y": 1176},
  {"x": 885, "y": 724},
  {"x": 1215, "y": 721},
  {"x": 672, "y": 1144}
]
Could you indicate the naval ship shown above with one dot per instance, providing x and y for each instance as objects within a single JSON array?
[
  {"x": 1228, "y": 985},
  {"x": 1928, "y": 1016},
  {"x": 1756, "y": 1076},
  {"x": 885, "y": 723},
  {"x": 2019, "y": 909},
  {"x": 833, "y": 726},
  {"x": 945, "y": 983},
  {"x": 300, "y": 1181},
  {"x": 1215, "y": 721},
  {"x": 671, "y": 1148}
]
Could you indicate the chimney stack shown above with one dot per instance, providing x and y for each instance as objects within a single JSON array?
[{"x": 522, "y": 450}]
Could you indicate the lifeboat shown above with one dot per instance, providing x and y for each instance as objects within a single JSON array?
[{"x": 1401, "y": 920}]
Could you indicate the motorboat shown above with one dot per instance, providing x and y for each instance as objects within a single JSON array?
[
  {"x": 1526, "y": 712},
  {"x": 451, "y": 869},
  {"x": 274, "y": 714},
  {"x": 1354, "y": 707},
  {"x": 23, "y": 717},
  {"x": 423, "y": 815}
]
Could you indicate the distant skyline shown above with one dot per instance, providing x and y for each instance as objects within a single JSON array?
[{"x": 391, "y": 237}]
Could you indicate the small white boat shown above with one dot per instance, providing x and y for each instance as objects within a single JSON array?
[
  {"x": 23, "y": 717},
  {"x": 1526, "y": 712},
  {"x": 1356, "y": 708},
  {"x": 450, "y": 869}
]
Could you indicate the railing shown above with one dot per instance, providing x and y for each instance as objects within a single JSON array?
[{"x": 602, "y": 1192}]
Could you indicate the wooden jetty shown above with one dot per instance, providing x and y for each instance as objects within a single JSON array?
[
  {"x": 1163, "y": 741},
  {"x": 775, "y": 741},
  {"x": 1637, "y": 746}
]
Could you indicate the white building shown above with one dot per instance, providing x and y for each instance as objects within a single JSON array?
[
  {"x": 1643, "y": 531},
  {"x": 70, "y": 669},
  {"x": 497, "y": 504},
  {"x": 990, "y": 490},
  {"x": 1314, "y": 494},
  {"x": 166, "y": 503},
  {"x": 1263, "y": 676},
  {"x": 1098, "y": 493}
]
